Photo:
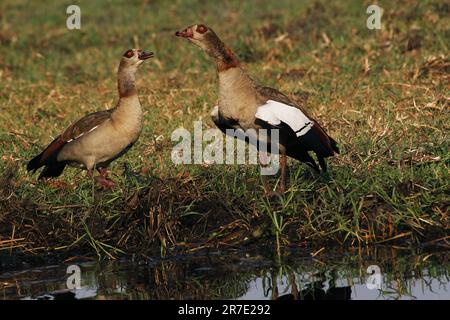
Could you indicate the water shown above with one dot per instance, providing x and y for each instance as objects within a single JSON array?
[{"x": 404, "y": 274}]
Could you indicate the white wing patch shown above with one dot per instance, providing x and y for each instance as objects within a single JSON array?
[
  {"x": 80, "y": 135},
  {"x": 274, "y": 113}
]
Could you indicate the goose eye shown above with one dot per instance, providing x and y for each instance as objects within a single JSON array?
[
  {"x": 202, "y": 28},
  {"x": 128, "y": 54}
]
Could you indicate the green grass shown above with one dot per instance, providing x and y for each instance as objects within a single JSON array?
[{"x": 384, "y": 101}]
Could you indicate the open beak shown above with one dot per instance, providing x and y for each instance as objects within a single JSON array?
[
  {"x": 145, "y": 55},
  {"x": 186, "y": 33}
]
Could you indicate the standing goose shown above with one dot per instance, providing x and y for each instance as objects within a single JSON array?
[
  {"x": 246, "y": 105},
  {"x": 97, "y": 139}
]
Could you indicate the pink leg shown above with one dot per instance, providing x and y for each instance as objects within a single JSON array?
[
  {"x": 263, "y": 159},
  {"x": 102, "y": 179},
  {"x": 103, "y": 172},
  {"x": 264, "y": 162},
  {"x": 283, "y": 161}
]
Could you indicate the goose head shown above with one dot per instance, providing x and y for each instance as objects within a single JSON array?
[
  {"x": 202, "y": 36},
  {"x": 133, "y": 58}
]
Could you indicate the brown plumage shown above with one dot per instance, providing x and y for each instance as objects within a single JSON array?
[
  {"x": 100, "y": 137},
  {"x": 241, "y": 99}
]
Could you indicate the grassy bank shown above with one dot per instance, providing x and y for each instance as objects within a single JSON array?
[{"x": 382, "y": 94}]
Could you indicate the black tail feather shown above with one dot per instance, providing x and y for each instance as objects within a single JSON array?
[
  {"x": 303, "y": 156},
  {"x": 333, "y": 144},
  {"x": 52, "y": 170},
  {"x": 35, "y": 163},
  {"x": 48, "y": 159}
]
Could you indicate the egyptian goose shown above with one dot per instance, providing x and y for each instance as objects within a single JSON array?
[
  {"x": 97, "y": 139},
  {"x": 245, "y": 105}
]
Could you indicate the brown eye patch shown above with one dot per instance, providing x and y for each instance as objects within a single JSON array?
[
  {"x": 128, "y": 53},
  {"x": 201, "y": 28}
]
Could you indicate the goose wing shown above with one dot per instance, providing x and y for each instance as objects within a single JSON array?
[
  {"x": 73, "y": 132},
  {"x": 279, "y": 111}
]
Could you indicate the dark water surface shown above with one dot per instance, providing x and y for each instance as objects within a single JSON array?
[{"x": 404, "y": 274}]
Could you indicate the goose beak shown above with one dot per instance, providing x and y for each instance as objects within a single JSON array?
[
  {"x": 145, "y": 55},
  {"x": 186, "y": 33}
]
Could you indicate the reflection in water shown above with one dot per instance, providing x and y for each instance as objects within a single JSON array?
[
  {"x": 236, "y": 275},
  {"x": 315, "y": 290}
]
